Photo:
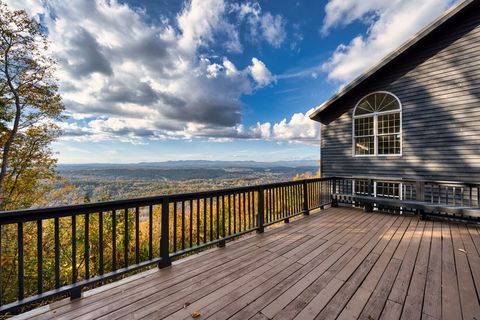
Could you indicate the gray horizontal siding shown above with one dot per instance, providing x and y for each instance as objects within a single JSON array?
[{"x": 438, "y": 83}]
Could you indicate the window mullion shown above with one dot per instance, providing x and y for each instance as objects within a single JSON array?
[{"x": 375, "y": 134}]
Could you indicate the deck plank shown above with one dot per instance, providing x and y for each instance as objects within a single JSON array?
[
  {"x": 336, "y": 263},
  {"x": 433, "y": 287},
  {"x": 451, "y": 308},
  {"x": 468, "y": 295},
  {"x": 414, "y": 301}
]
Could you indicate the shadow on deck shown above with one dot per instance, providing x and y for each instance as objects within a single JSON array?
[{"x": 338, "y": 263}]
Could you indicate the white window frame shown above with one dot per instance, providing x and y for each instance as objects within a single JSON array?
[{"x": 375, "y": 127}]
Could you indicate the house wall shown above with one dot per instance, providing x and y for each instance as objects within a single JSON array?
[{"x": 438, "y": 82}]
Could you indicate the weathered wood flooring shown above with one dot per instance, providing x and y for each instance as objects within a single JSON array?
[{"x": 340, "y": 263}]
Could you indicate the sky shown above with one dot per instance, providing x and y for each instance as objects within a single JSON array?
[{"x": 210, "y": 79}]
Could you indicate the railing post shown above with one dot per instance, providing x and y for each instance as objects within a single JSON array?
[
  {"x": 306, "y": 210},
  {"x": 261, "y": 214},
  {"x": 164, "y": 240},
  {"x": 334, "y": 191},
  {"x": 369, "y": 206},
  {"x": 420, "y": 196}
]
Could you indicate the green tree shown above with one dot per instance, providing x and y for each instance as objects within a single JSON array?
[{"x": 29, "y": 105}]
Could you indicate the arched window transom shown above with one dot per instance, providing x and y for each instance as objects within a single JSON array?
[{"x": 377, "y": 121}]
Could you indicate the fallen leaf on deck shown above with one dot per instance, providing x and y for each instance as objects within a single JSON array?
[{"x": 195, "y": 314}]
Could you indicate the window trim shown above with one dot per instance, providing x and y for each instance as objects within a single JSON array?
[{"x": 375, "y": 127}]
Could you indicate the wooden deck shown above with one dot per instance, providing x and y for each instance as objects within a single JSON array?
[{"x": 338, "y": 263}]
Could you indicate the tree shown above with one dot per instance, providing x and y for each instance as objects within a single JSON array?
[{"x": 29, "y": 105}]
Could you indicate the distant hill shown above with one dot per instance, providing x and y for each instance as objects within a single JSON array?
[{"x": 189, "y": 164}]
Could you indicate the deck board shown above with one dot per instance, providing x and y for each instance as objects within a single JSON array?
[{"x": 338, "y": 263}]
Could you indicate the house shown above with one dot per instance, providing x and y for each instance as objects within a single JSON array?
[{"x": 416, "y": 114}]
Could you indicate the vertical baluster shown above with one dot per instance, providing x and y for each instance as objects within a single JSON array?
[
  {"x": 191, "y": 221},
  {"x": 439, "y": 194},
  {"x": 86, "y": 256},
  {"x": 174, "y": 226},
  {"x": 238, "y": 207},
  {"x": 150, "y": 232},
  {"x": 291, "y": 206},
  {"x": 57, "y": 252},
  {"x": 183, "y": 225},
  {"x": 137, "y": 235},
  {"x": 454, "y": 196},
  {"x": 281, "y": 190},
  {"x": 198, "y": 222},
  {"x": 261, "y": 209},
  {"x": 243, "y": 210},
  {"x": 74, "y": 248},
  {"x": 294, "y": 198},
  {"x": 211, "y": 218},
  {"x": 234, "y": 213},
  {"x": 286, "y": 200},
  {"x": 267, "y": 205},
  {"x": 39, "y": 256},
  {"x": 217, "y": 204},
  {"x": 229, "y": 214},
  {"x": 272, "y": 204},
  {"x": 254, "y": 218},
  {"x": 125, "y": 238},
  {"x": 249, "y": 211},
  {"x": 268, "y": 202},
  {"x": 223, "y": 216},
  {"x": 21, "y": 288},
  {"x": 114, "y": 240},
  {"x": 278, "y": 202},
  {"x": 204, "y": 220},
  {"x": 470, "y": 196},
  {"x": 100, "y": 241}
]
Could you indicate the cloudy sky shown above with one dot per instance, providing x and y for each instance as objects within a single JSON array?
[{"x": 211, "y": 79}]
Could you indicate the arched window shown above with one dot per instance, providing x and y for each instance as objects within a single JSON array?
[{"x": 377, "y": 125}]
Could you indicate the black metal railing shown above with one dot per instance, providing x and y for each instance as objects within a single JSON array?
[
  {"x": 440, "y": 193},
  {"x": 53, "y": 251}
]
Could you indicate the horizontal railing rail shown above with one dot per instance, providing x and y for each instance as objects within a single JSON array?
[{"x": 47, "y": 252}]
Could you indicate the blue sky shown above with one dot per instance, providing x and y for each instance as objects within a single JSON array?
[{"x": 211, "y": 79}]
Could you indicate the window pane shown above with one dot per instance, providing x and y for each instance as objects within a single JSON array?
[
  {"x": 389, "y": 123},
  {"x": 364, "y": 127},
  {"x": 361, "y": 187},
  {"x": 377, "y": 102},
  {"x": 388, "y": 104},
  {"x": 364, "y": 146},
  {"x": 389, "y": 144},
  {"x": 388, "y": 189}
]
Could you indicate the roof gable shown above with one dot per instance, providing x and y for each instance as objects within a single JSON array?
[{"x": 324, "y": 108}]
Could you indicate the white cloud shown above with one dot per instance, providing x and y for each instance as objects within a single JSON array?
[
  {"x": 390, "y": 23},
  {"x": 262, "y": 26},
  {"x": 300, "y": 128},
  {"x": 260, "y": 73},
  {"x": 123, "y": 78}
]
